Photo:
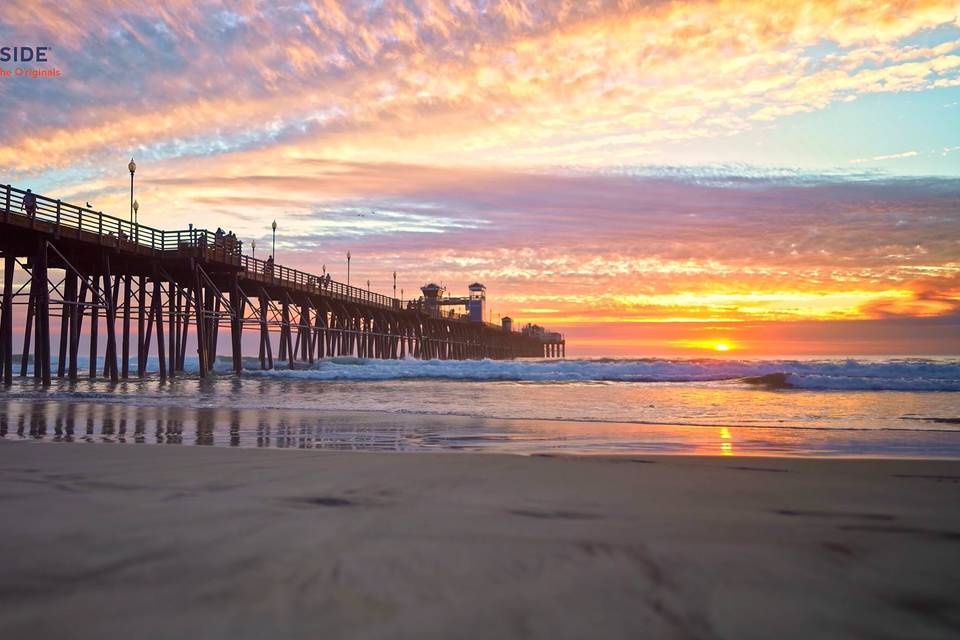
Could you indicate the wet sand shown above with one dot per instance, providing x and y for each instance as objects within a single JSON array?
[
  {"x": 95, "y": 421},
  {"x": 107, "y": 541}
]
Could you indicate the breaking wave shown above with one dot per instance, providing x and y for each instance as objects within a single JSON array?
[{"x": 849, "y": 375}]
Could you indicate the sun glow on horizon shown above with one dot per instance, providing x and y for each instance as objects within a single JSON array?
[{"x": 721, "y": 346}]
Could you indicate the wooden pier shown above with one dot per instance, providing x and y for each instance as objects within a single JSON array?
[{"x": 148, "y": 289}]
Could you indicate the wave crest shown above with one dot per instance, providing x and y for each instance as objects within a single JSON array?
[{"x": 878, "y": 375}]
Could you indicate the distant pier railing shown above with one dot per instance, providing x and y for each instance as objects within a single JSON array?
[{"x": 320, "y": 284}]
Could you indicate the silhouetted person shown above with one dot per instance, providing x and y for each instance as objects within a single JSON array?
[
  {"x": 268, "y": 267},
  {"x": 29, "y": 203}
]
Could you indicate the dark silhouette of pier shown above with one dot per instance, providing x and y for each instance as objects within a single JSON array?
[{"x": 148, "y": 289}]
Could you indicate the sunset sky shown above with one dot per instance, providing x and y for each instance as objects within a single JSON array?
[{"x": 647, "y": 177}]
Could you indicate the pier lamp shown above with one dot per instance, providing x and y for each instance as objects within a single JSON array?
[
  {"x": 348, "y": 268},
  {"x": 401, "y": 297},
  {"x": 253, "y": 246},
  {"x": 136, "y": 212},
  {"x": 368, "y": 286},
  {"x": 274, "y": 252},
  {"x": 324, "y": 267},
  {"x": 133, "y": 168},
  {"x": 394, "y": 284}
]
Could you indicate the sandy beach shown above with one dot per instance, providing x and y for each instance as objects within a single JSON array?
[{"x": 107, "y": 541}]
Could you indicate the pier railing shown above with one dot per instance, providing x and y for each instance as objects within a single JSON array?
[
  {"x": 112, "y": 230},
  {"x": 329, "y": 288},
  {"x": 118, "y": 232}
]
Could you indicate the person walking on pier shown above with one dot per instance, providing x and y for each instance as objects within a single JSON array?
[
  {"x": 268, "y": 267},
  {"x": 29, "y": 204}
]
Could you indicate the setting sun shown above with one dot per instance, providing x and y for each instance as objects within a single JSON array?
[{"x": 722, "y": 346}]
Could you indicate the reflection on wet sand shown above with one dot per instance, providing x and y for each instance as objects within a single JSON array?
[
  {"x": 72, "y": 422},
  {"x": 726, "y": 442}
]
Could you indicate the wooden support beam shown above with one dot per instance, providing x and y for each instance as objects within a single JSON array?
[
  {"x": 41, "y": 357},
  {"x": 291, "y": 352},
  {"x": 114, "y": 301},
  {"x": 214, "y": 325},
  {"x": 286, "y": 339},
  {"x": 6, "y": 325},
  {"x": 75, "y": 326},
  {"x": 28, "y": 329},
  {"x": 296, "y": 343},
  {"x": 172, "y": 329},
  {"x": 66, "y": 315},
  {"x": 236, "y": 325},
  {"x": 265, "y": 332},
  {"x": 320, "y": 318},
  {"x": 336, "y": 335},
  {"x": 37, "y": 334},
  {"x": 110, "y": 364},
  {"x": 94, "y": 323},
  {"x": 150, "y": 317},
  {"x": 198, "y": 305},
  {"x": 185, "y": 327},
  {"x": 284, "y": 325},
  {"x": 4, "y": 350},
  {"x": 143, "y": 341},
  {"x": 158, "y": 311},
  {"x": 125, "y": 329},
  {"x": 306, "y": 353},
  {"x": 178, "y": 330}
]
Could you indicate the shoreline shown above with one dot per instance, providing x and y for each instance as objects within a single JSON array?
[
  {"x": 251, "y": 544},
  {"x": 93, "y": 419}
]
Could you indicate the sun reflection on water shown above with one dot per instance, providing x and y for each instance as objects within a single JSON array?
[{"x": 726, "y": 442}]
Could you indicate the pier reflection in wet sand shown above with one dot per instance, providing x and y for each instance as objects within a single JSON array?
[
  {"x": 116, "y": 423},
  {"x": 63, "y": 420}
]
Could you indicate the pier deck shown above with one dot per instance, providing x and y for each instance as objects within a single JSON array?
[{"x": 153, "y": 292}]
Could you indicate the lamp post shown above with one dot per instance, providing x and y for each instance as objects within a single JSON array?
[
  {"x": 348, "y": 268},
  {"x": 274, "y": 251},
  {"x": 132, "y": 167},
  {"x": 136, "y": 221},
  {"x": 368, "y": 286},
  {"x": 253, "y": 245},
  {"x": 324, "y": 267},
  {"x": 394, "y": 284},
  {"x": 401, "y": 297}
]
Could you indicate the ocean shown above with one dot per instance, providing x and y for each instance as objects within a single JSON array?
[{"x": 887, "y": 407}]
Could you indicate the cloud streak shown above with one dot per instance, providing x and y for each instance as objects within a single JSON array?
[{"x": 588, "y": 82}]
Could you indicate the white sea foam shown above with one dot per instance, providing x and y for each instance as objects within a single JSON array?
[{"x": 898, "y": 374}]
